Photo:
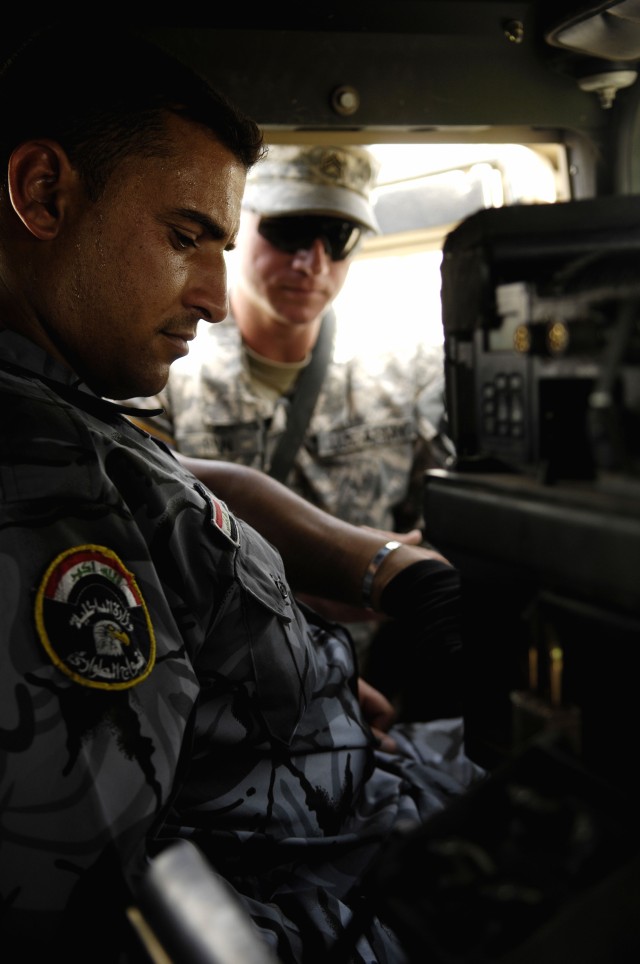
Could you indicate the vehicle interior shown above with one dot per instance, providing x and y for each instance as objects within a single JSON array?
[{"x": 540, "y": 509}]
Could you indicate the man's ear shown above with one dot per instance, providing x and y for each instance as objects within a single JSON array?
[{"x": 39, "y": 178}]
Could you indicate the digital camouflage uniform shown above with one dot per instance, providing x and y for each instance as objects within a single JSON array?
[
  {"x": 374, "y": 430},
  {"x": 129, "y": 592}
]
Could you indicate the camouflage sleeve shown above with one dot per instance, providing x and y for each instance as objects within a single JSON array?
[
  {"x": 88, "y": 678},
  {"x": 428, "y": 373},
  {"x": 432, "y": 447}
]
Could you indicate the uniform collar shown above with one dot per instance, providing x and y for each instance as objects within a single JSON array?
[{"x": 23, "y": 353}]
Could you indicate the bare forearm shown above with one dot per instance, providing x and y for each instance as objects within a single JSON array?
[{"x": 322, "y": 555}]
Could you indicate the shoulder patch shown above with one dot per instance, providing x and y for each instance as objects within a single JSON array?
[
  {"x": 92, "y": 620},
  {"x": 220, "y": 516}
]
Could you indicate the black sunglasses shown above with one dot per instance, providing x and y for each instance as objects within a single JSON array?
[{"x": 297, "y": 233}]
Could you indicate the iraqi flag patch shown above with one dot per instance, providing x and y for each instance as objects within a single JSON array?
[
  {"x": 92, "y": 620},
  {"x": 219, "y": 514}
]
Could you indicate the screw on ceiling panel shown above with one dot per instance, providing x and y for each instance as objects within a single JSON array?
[
  {"x": 345, "y": 100},
  {"x": 514, "y": 31}
]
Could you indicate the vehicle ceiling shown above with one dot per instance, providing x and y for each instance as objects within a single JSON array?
[
  {"x": 412, "y": 69},
  {"x": 415, "y": 68}
]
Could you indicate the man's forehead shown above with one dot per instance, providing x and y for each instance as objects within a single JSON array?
[{"x": 196, "y": 164}]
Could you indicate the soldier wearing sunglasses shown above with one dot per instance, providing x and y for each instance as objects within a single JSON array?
[{"x": 264, "y": 388}]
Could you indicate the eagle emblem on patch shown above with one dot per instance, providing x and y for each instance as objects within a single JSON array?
[{"x": 92, "y": 620}]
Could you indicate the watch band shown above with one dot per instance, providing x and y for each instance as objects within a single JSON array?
[{"x": 372, "y": 569}]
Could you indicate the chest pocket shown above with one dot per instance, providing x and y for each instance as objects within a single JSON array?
[
  {"x": 243, "y": 443},
  {"x": 240, "y": 442},
  {"x": 354, "y": 438},
  {"x": 280, "y": 645}
]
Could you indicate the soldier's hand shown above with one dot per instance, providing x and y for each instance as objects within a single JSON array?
[{"x": 378, "y": 712}]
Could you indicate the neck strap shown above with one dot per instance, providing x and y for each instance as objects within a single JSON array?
[{"x": 304, "y": 400}]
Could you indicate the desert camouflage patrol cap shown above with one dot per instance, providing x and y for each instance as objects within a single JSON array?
[{"x": 314, "y": 179}]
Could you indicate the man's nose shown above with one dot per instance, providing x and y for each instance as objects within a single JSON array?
[
  {"x": 209, "y": 294},
  {"x": 315, "y": 259}
]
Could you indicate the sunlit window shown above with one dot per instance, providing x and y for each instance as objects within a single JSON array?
[{"x": 391, "y": 298}]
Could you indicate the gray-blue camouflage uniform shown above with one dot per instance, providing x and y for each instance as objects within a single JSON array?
[{"x": 159, "y": 679}]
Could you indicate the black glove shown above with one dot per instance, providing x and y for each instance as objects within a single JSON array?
[{"x": 416, "y": 657}]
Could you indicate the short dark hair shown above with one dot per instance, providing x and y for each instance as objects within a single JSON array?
[{"x": 107, "y": 100}]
